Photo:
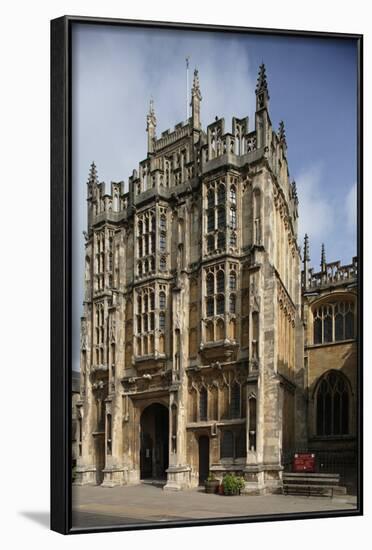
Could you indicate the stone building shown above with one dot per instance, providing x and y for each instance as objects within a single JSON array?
[
  {"x": 192, "y": 339},
  {"x": 330, "y": 328}
]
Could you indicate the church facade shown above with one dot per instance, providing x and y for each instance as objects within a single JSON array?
[{"x": 197, "y": 345}]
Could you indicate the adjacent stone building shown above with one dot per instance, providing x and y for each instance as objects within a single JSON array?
[
  {"x": 192, "y": 339},
  {"x": 330, "y": 327}
]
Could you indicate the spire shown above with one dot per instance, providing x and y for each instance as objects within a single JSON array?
[
  {"x": 262, "y": 91},
  {"x": 261, "y": 80},
  {"x": 306, "y": 260},
  {"x": 281, "y": 134},
  {"x": 323, "y": 262},
  {"x": 151, "y": 127},
  {"x": 196, "y": 98}
]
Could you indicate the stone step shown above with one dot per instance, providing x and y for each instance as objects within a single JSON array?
[
  {"x": 314, "y": 490},
  {"x": 309, "y": 475}
]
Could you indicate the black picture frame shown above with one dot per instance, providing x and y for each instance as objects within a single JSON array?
[{"x": 61, "y": 262}]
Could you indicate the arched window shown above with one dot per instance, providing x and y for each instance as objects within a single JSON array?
[
  {"x": 140, "y": 228},
  {"x": 210, "y": 243},
  {"x": 210, "y": 221},
  {"x": 233, "y": 218},
  {"x": 333, "y": 322},
  {"x": 210, "y": 284},
  {"x": 203, "y": 404},
  {"x": 162, "y": 300},
  {"x": 163, "y": 223},
  {"x": 332, "y": 401},
  {"x": 220, "y": 281},
  {"x": 221, "y": 217},
  {"x": 221, "y": 239},
  {"x": 162, "y": 320},
  {"x": 235, "y": 401},
  {"x": 232, "y": 303},
  {"x": 233, "y": 238},
  {"x": 162, "y": 242},
  {"x": 233, "y": 194},
  {"x": 221, "y": 194},
  {"x": 210, "y": 307},
  {"x": 220, "y": 304},
  {"x": 232, "y": 280},
  {"x": 227, "y": 444},
  {"x": 210, "y": 198}
]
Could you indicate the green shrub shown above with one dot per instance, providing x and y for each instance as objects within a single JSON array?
[{"x": 232, "y": 484}]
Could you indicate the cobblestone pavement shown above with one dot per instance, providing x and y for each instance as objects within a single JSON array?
[{"x": 144, "y": 503}]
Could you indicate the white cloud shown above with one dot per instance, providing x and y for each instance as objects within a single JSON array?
[
  {"x": 316, "y": 214},
  {"x": 351, "y": 208}
]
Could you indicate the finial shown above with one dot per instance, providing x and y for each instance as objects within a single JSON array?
[
  {"x": 306, "y": 248},
  {"x": 261, "y": 80},
  {"x": 294, "y": 191},
  {"x": 195, "y": 91},
  {"x": 323, "y": 258},
  {"x": 151, "y": 118},
  {"x": 93, "y": 176},
  {"x": 281, "y": 133}
]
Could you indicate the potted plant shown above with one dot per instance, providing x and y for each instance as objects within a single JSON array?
[
  {"x": 211, "y": 484},
  {"x": 232, "y": 484}
]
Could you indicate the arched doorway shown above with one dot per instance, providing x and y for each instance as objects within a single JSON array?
[
  {"x": 154, "y": 442},
  {"x": 203, "y": 458}
]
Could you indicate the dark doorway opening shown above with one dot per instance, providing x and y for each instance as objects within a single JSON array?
[
  {"x": 154, "y": 442},
  {"x": 99, "y": 443},
  {"x": 203, "y": 458}
]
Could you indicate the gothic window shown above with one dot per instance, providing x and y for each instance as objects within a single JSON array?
[
  {"x": 162, "y": 320},
  {"x": 221, "y": 194},
  {"x": 235, "y": 401},
  {"x": 232, "y": 305},
  {"x": 220, "y": 304},
  {"x": 163, "y": 223},
  {"x": 333, "y": 322},
  {"x": 210, "y": 198},
  {"x": 210, "y": 307},
  {"x": 221, "y": 239},
  {"x": 233, "y": 218},
  {"x": 162, "y": 300},
  {"x": 221, "y": 217},
  {"x": 210, "y": 221},
  {"x": 332, "y": 401},
  {"x": 162, "y": 242},
  {"x": 232, "y": 280},
  {"x": 140, "y": 228},
  {"x": 210, "y": 283},
  {"x": 210, "y": 243},
  {"x": 203, "y": 404},
  {"x": 220, "y": 281},
  {"x": 233, "y": 238},
  {"x": 233, "y": 194},
  {"x": 163, "y": 264}
]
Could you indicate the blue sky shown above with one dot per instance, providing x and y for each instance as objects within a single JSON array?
[{"x": 312, "y": 85}]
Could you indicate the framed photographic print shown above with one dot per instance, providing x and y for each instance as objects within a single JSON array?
[{"x": 206, "y": 274}]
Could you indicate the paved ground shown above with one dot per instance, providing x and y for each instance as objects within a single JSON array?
[{"x": 99, "y": 506}]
